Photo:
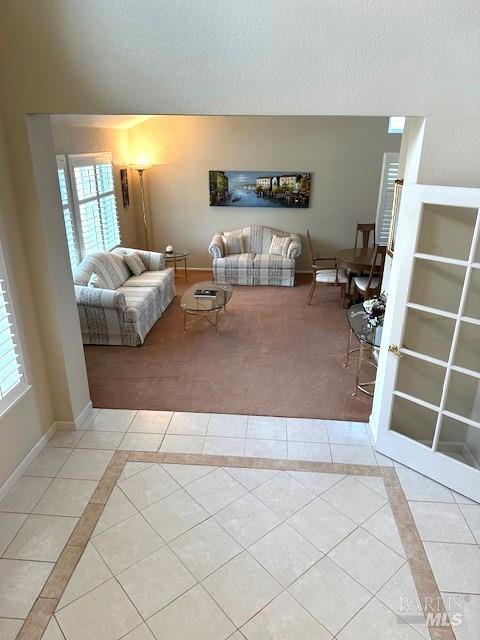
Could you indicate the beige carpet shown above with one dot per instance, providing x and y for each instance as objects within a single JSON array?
[{"x": 273, "y": 355}]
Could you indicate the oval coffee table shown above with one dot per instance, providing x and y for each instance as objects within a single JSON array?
[{"x": 204, "y": 308}]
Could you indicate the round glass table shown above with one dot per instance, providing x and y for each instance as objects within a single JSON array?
[
  {"x": 178, "y": 256},
  {"x": 203, "y": 308},
  {"x": 369, "y": 339}
]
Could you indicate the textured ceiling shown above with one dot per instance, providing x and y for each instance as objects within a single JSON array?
[{"x": 105, "y": 121}]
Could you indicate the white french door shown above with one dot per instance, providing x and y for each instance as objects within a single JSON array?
[{"x": 426, "y": 411}]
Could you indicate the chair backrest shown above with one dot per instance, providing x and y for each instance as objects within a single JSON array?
[
  {"x": 365, "y": 229},
  {"x": 311, "y": 255},
  {"x": 376, "y": 270}
]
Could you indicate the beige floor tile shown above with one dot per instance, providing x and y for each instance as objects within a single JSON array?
[
  {"x": 456, "y": 566},
  {"x": 382, "y": 460},
  {"x": 218, "y": 446},
  {"x": 117, "y": 509},
  {"x": 440, "y": 522},
  {"x": 156, "y": 581},
  {"x": 10, "y": 524},
  {"x": 266, "y": 449},
  {"x": 65, "y": 497},
  {"x": 421, "y": 488},
  {"x": 104, "y": 614},
  {"x": 471, "y": 513},
  {"x": 9, "y": 628},
  {"x": 174, "y": 515},
  {"x": 222, "y": 424},
  {"x": 41, "y": 538},
  {"x": 189, "y": 424},
  {"x": 126, "y": 543},
  {"x": 284, "y": 495},
  {"x": 322, "y": 524},
  {"x": 48, "y": 462},
  {"x": 306, "y": 430},
  {"x": 251, "y": 478},
  {"x": 283, "y": 619},
  {"x": 65, "y": 438},
  {"x": 314, "y": 451},
  {"x": 141, "y": 441},
  {"x": 182, "y": 444},
  {"x": 469, "y": 609},
  {"x": 400, "y": 594},
  {"x": 90, "y": 572},
  {"x": 151, "y": 421},
  {"x": 285, "y": 554},
  {"x": 140, "y": 633},
  {"x": 215, "y": 490},
  {"x": 112, "y": 420},
  {"x": 247, "y": 519},
  {"x": 352, "y": 454},
  {"x": 377, "y": 622},
  {"x": 461, "y": 499},
  {"x": 132, "y": 468},
  {"x": 354, "y": 500},
  {"x": 100, "y": 440},
  {"x": 316, "y": 482},
  {"x": 330, "y": 594},
  {"x": 86, "y": 464},
  {"x": 373, "y": 483},
  {"x": 205, "y": 548},
  {"x": 266, "y": 428},
  {"x": 52, "y": 632},
  {"x": 347, "y": 433},
  {"x": 366, "y": 559},
  {"x": 186, "y": 473},
  {"x": 237, "y": 636},
  {"x": 193, "y": 616},
  {"x": 382, "y": 525},
  {"x": 20, "y": 583},
  {"x": 25, "y": 494},
  {"x": 146, "y": 487},
  {"x": 242, "y": 575}
]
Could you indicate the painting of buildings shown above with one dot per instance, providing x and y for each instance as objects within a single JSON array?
[{"x": 260, "y": 189}]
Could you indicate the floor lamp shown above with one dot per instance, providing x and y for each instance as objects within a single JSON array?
[{"x": 141, "y": 168}]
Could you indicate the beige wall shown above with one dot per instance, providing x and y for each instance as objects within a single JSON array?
[
  {"x": 344, "y": 154},
  {"x": 72, "y": 140}
]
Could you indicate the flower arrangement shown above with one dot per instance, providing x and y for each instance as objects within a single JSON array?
[{"x": 375, "y": 310}]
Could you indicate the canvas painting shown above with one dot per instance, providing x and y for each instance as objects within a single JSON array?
[{"x": 260, "y": 189}]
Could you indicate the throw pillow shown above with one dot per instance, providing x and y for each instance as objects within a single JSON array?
[
  {"x": 279, "y": 245},
  {"x": 97, "y": 282},
  {"x": 233, "y": 243},
  {"x": 134, "y": 263}
]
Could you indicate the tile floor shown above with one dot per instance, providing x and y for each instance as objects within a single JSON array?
[{"x": 313, "y": 555}]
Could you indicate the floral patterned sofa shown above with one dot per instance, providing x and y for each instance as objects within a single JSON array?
[{"x": 253, "y": 259}]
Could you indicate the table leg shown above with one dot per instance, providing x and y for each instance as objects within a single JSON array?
[
  {"x": 359, "y": 366},
  {"x": 348, "y": 348}
]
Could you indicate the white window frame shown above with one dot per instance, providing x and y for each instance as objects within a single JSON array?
[
  {"x": 21, "y": 386},
  {"x": 385, "y": 197},
  {"x": 68, "y": 163}
]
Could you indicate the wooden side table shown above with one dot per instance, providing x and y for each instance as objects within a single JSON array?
[{"x": 178, "y": 256}]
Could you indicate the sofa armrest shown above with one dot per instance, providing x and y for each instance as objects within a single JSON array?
[
  {"x": 216, "y": 248},
  {"x": 103, "y": 298},
  {"x": 295, "y": 247},
  {"x": 153, "y": 260}
]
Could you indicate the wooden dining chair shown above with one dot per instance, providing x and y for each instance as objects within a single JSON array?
[
  {"x": 368, "y": 286},
  {"x": 365, "y": 230},
  {"x": 325, "y": 271}
]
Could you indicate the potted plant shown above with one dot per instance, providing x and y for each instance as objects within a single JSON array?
[{"x": 375, "y": 312}]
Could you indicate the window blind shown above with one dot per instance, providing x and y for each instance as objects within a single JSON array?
[
  {"x": 68, "y": 216},
  {"x": 12, "y": 381},
  {"x": 385, "y": 197}
]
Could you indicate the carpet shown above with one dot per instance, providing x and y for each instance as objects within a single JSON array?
[{"x": 272, "y": 355}]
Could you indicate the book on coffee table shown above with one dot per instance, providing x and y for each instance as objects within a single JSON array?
[{"x": 205, "y": 293}]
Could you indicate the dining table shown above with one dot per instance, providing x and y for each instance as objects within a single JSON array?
[{"x": 354, "y": 261}]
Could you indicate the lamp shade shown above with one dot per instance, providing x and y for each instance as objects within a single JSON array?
[{"x": 140, "y": 167}]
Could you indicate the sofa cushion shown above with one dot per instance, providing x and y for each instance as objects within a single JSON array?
[
  {"x": 279, "y": 245},
  {"x": 110, "y": 267},
  {"x": 273, "y": 261},
  {"x": 233, "y": 243},
  {"x": 236, "y": 261},
  {"x": 134, "y": 263},
  {"x": 150, "y": 279},
  {"x": 258, "y": 238},
  {"x": 96, "y": 282},
  {"x": 138, "y": 301}
]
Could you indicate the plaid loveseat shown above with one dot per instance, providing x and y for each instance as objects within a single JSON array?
[
  {"x": 124, "y": 312},
  {"x": 256, "y": 266}
]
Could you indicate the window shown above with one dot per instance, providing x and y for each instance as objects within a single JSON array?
[
  {"x": 396, "y": 124},
  {"x": 89, "y": 205},
  {"x": 385, "y": 196},
  {"x": 12, "y": 381}
]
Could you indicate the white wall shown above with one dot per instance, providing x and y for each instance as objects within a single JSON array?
[{"x": 344, "y": 155}]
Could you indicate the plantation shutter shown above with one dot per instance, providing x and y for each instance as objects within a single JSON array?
[
  {"x": 12, "y": 381},
  {"x": 385, "y": 197},
  {"x": 68, "y": 212}
]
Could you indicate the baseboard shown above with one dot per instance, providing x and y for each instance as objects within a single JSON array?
[
  {"x": 85, "y": 417},
  {"x": 27, "y": 461}
]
